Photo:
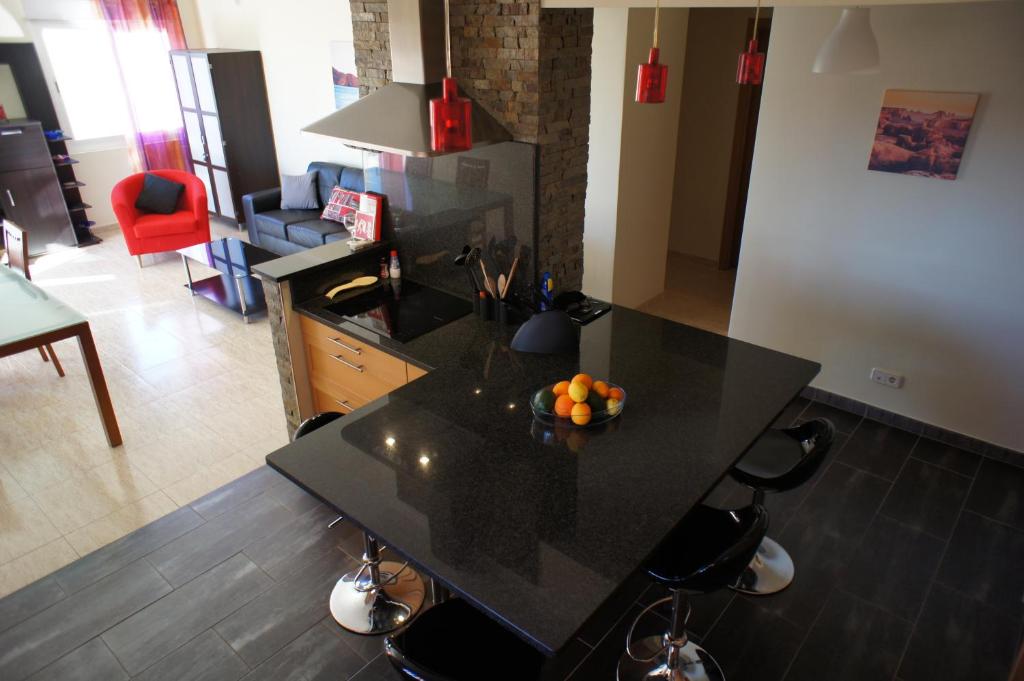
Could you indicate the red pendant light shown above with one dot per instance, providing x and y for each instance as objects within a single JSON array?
[
  {"x": 652, "y": 77},
  {"x": 451, "y": 116},
  {"x": 750, "y": 68}
]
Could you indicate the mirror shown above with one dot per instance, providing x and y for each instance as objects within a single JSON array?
[{"x": 10, "y": 98}]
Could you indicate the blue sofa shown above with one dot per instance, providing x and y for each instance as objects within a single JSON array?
[{"x": 289, "y": 231}]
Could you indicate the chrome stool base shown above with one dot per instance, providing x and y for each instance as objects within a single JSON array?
[
  {"x": 379, "y": 597},
  {"x": 770, "y": 571},
  {"x": 695, "y": 664}
]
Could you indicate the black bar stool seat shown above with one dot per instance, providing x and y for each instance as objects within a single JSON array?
[
  {"x": 781, "y": 460},
  {"x": 706, "y": 552},
  {"x": 453, "y": 641}
]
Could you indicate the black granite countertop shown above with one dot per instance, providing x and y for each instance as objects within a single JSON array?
[
  {"x": 330, "y": 256},
  {"x": 537, "y": 527}
]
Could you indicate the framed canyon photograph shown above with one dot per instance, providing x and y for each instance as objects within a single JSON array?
[{"x": 922, "y": 133}]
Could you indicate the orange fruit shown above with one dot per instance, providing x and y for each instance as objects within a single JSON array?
[
  {"x": 581, "y": 413},
  {"x": 616, "y": 394},
  {"x": 563, "y": 406},
  {"x": 584, "y": 379},
  {"x": 601, "y": 388},
  {"x": 561, "y": 388},
  {"x": 578, "y": 392}
]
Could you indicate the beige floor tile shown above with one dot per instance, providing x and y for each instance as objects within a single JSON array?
[
  {"x": 696, "y": 293},
  {"x": 10, "y": 490},
  {"x": 41, "y": 466},
  {"x": 119, "y": 523},
  {"x": 98, "y": 493},
  {"x": 209, "y": 478},
  {"x": 28, "y": 568},
  {"x": 23, "y": 528}
]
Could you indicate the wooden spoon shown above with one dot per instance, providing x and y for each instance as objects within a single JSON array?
[
  {"x": 488, "y": 281},
  {"x": 502, "y": 282},
  {"x": 355, "y": 283},
  {"x": 508, "y": 281}
]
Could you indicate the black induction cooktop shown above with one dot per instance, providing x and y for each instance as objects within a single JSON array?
[{"x": 401, "y": 309}]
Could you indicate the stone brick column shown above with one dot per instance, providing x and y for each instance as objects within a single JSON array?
[{"x": 530, "y": 68}]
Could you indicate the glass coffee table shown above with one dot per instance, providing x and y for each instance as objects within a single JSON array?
[{"x": 233, "y": 287}]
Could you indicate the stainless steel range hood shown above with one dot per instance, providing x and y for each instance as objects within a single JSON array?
[{"x": 396, "y": 118}]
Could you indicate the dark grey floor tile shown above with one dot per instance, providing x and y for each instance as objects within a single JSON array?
[
  {"x": 298, "y": 542},
  {"x": 749, "y": 642},
  {"x": 843, "y": 501},
  {"x": 603, "y": 660},
  {"x": 561, "y": 665},
  {"x": 957, "y": 637},
  {"x": 927, "y": 498},
  {"x": 269, "y": 622},
  {"x": 90, "y": 662},
  {"x": 378, "y": 670},
  {"x": 163, "y": 627},
  {"x": 893, "y": 567},
  {"x": 366, "y": 647},
  {"x": 127, "y": 549},
  {"x": 611, "y": 610},
  {"x": 236, "y": 492},
  {"x": 196, "y": 552},
  {"x": 999, "y": 493},
  {"x": 946, "y": 456},
  {"x": 705, "y": 609},
  {"x": 852, "y": 640},
  {"x": 877, "y": 448},
  {"x": 317, "y": 655},
  {"x": 47, "y": 636},
  {"x": 292, "y": 496},
  {"x": 844, "y": 421},
  {"x": 984, "y": 560},
  {"x": 791, "y": 413},
  {"x": 205, "y": 658},
  {"x": 23, "y": 603}
]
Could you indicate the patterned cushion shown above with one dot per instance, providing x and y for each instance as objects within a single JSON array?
[{"x": 342, "y": 203}]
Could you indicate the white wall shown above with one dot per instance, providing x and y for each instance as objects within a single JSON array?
[
  {"x": 643, "y": 138},
  {"x": 707, "y": 124},
  {"x": 861, "y": 269},
  {"x": 295, "y": 44}
]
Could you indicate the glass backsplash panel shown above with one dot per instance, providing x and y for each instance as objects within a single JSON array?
[{"x": 482, "y": 198}]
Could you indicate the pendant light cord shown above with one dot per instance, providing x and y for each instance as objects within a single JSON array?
[
  {"x": 448, "y": 40},
  {"x": 657, "y": 12},
  {"x": 757, "y": 15}
]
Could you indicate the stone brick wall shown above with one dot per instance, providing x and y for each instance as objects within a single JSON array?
[
  {"x": 372, "y": 44},
  {"x": 530, "y": 68}
]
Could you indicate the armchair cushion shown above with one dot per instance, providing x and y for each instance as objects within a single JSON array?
[
  {"x": 159, "y": 195},
  {"x": 158, "y": 225}
]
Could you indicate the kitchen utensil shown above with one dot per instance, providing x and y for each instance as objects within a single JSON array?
[
  {"x": 501, "y": 285},
  {"x": 488, "y": 281},
  {"x": 508, "y": 280},
  {"x": 463, "y": 261},
  {"x": 355, "y": 283}
]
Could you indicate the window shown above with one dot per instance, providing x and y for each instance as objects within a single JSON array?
[{"x": 88, "y": 81}]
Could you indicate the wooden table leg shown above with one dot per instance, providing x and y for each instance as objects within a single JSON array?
[{"x": 99, "y": 385}]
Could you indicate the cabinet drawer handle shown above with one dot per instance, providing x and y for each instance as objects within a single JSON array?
[
  {"x": 344, "y": 404},
  {"x": 347, "y": 363},
  {"x": 337, "y": 341},
  {"x": 10, "y": 197}
]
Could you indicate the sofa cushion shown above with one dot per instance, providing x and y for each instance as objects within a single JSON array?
[
  {"x": 153, "y": 225},
  {"x": 274, "y": 222},
  {"x": 328, "y": 175},
  {"x": 343, "y": 235},
  {"x": 279, "y": 246},
  {"x": 352, "y": 178},
  {"x": 298, "y": 192},
  {"x": 311, "y": 233}
]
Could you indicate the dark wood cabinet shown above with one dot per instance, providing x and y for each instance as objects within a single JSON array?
[
  {"x": 224, "y": 105},
  {"x": 31, "y": 194}
]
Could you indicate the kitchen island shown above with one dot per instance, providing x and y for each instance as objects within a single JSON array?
[{"x": 536, "y": 526}]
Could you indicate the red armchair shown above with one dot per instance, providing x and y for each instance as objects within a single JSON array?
[{"x": 155, "y": 233}]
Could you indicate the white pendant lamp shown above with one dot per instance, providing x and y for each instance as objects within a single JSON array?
[{"x": 851, "y": 47}]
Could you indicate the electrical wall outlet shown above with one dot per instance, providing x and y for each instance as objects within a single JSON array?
[{"x": 887, "y": 378}]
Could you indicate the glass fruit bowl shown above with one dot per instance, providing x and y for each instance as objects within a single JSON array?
[{"x": 601, "y": 409}]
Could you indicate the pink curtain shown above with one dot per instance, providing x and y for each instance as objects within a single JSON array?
[{"x": 143, "y": 31}]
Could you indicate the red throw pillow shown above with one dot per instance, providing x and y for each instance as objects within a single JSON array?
[{"x": 343, "y": 203}]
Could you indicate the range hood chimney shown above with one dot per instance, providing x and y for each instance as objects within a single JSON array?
[{"x": 396, "y": 118}]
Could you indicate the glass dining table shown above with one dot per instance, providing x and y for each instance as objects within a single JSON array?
[{"x": 31, "y": 317}]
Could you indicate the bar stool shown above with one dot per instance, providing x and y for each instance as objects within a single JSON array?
[
  {"x": 380, "y": 596},
  {"x": 780, "y": 460},
  {"x": 453, "y": 641},
  {"x": 705, "y": 553}
]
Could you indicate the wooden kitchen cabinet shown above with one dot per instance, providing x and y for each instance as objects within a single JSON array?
[{"x": 345, "y": 372}]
